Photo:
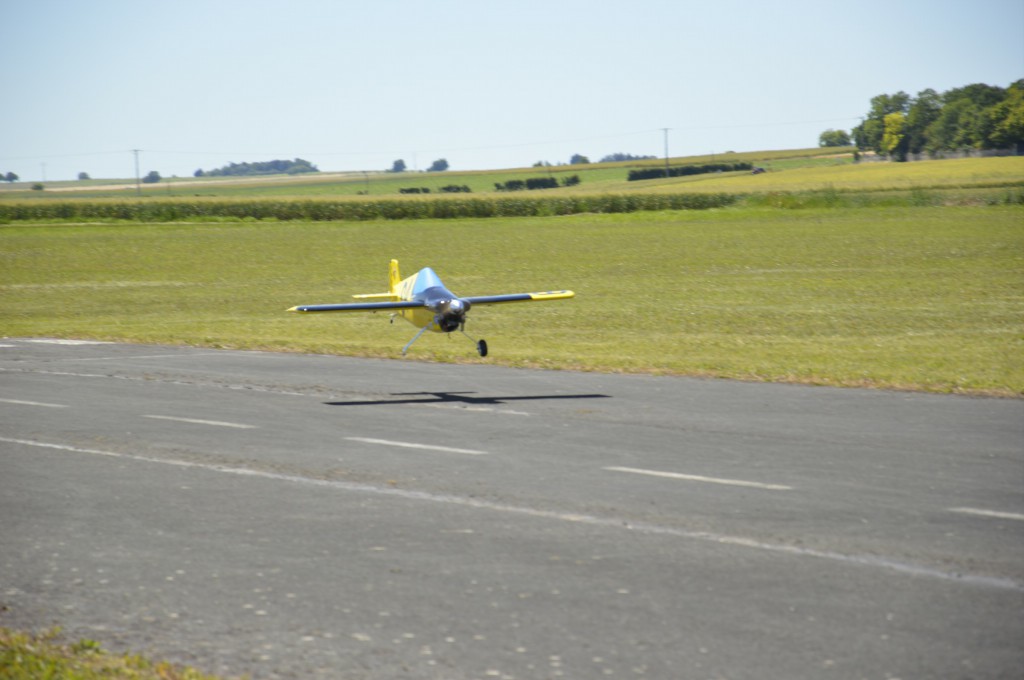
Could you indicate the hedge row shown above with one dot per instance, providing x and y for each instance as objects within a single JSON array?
[
  {"x": 384, "y": 209},
  {"x": 533, "y": 183},
  {"x": 687, "y": 170}
]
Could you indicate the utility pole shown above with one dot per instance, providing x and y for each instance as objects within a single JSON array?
[
  {"x": 138, "y": 186},
  {"x": 665, "y": 130}
]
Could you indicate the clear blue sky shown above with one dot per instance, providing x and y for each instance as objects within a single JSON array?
[{"x": 355, "y": 85}]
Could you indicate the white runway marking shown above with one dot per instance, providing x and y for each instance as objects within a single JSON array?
[
  {"x": 149, "y": 356},
  {"x": 699, "y": 478},
  {"x": 616, "y": 523},
  {"x": 58, "y": 341},
  {"x": 218, "y": 423},
  {"x": 32, "y": 403},
  {"x": 412, "y": 445},
  {"x": 989, "y": 513}
]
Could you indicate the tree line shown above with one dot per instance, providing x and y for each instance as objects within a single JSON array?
[
  {"x": 275, "y": 167},
  {"x": 977, "y": 116}
]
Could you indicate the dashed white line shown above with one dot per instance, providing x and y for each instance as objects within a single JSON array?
[
  {"x": 217, "y": 423},
  {"x": 61, "y": 341},
  {"x": 996, "y": 514},
  {"x": 873, "y": 561},
  {"x": 700, "y": 478},
  {"x": 22, "y": 402},
  {"x": 148, "y": 356},
  {"x": 413, "y": 445}
]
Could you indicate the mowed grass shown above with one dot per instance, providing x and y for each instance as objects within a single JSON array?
[{"x": 918, "y": 298}]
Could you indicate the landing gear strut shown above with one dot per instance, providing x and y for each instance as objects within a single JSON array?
[
  {"x": 417, "y": 337},
  {"x": 481, "y": 345}
]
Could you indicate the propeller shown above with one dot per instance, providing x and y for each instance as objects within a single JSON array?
[{"x": 450, "y": 315}]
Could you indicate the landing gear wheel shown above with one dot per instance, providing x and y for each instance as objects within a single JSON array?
[{"x": 481, "y": 347}]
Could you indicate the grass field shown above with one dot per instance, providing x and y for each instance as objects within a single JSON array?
[
  {"x": 788, "y": 171},
  {"x": 599, "y": 177},
  {"x": 925, "y": 298}
]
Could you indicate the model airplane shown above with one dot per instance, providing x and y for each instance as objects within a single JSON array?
[{"x": 423, "y": 301}]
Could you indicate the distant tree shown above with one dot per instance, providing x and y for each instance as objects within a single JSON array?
[
  {"x": 152, "y": 178},
  {"x": 868, "y": 135},
  {"x": 542, "y": 164},
  {"x": 619, "y": 157},
  {"x": 10, "y": 177},
  {"x": 893, "y": 137},
  {"x": 275, "y": 167},
  {"x": 579, "y": 159},
  {"x": 924, "y": 110},
  {"x": 1008, "y": 119},
  {"x": 832, "y": 137},
  {"x": 966, "y": 120},
  {"x": 199, "y": 173},
  {"x": 440, "y": 165},
  {"x": 83, "y": 176},
  {"x": 955, "y": 127},
  {"x": 398, "y": 166},
  {"x": 37, "y": 187}
]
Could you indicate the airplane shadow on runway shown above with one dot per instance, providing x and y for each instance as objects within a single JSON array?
[{"x": 459, "y": 398}]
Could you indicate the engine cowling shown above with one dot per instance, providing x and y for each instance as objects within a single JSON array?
[{"x": 450, "y": 314}]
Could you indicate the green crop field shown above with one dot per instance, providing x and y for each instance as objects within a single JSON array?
[{"x": 917, "y": 295}]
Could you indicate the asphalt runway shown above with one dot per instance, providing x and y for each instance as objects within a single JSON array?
[{"x": 296, "y": 516}]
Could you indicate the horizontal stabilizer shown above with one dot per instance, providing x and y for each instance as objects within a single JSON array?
[{"x": 381, "y": 296}]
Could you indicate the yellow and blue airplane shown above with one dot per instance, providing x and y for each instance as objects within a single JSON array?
[{"x": 423, "y": 301}]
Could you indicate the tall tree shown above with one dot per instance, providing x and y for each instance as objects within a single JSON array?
[
  {"x": 955, "y": 128},
  {"x": 1007, "y": 120},
  {"x": 894, "y": 142},
  {"x": 924, "y": 110},
  {"x": 832, "y": 137},
  {"x": 868, "y": 135}
]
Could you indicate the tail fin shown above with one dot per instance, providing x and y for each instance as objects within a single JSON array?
[
  {"x": 394, "y": 281},
  {"x": 394, "y": 278}
]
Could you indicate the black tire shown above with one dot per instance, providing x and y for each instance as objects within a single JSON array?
[{"x": 482, "y": 348}]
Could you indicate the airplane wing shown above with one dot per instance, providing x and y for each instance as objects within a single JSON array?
[
  {"x": 519, "y": 297},
  {"x": 412, "y": 304},
  {"x": 358, "y": 306}
]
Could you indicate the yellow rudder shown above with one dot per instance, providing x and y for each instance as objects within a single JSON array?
[{"x": 394, "y": 277}]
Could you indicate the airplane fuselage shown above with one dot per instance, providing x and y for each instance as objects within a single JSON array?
[{"x": 442, "y": 310}]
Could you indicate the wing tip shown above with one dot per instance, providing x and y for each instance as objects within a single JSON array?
[{"x": 553, "y": 295}]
